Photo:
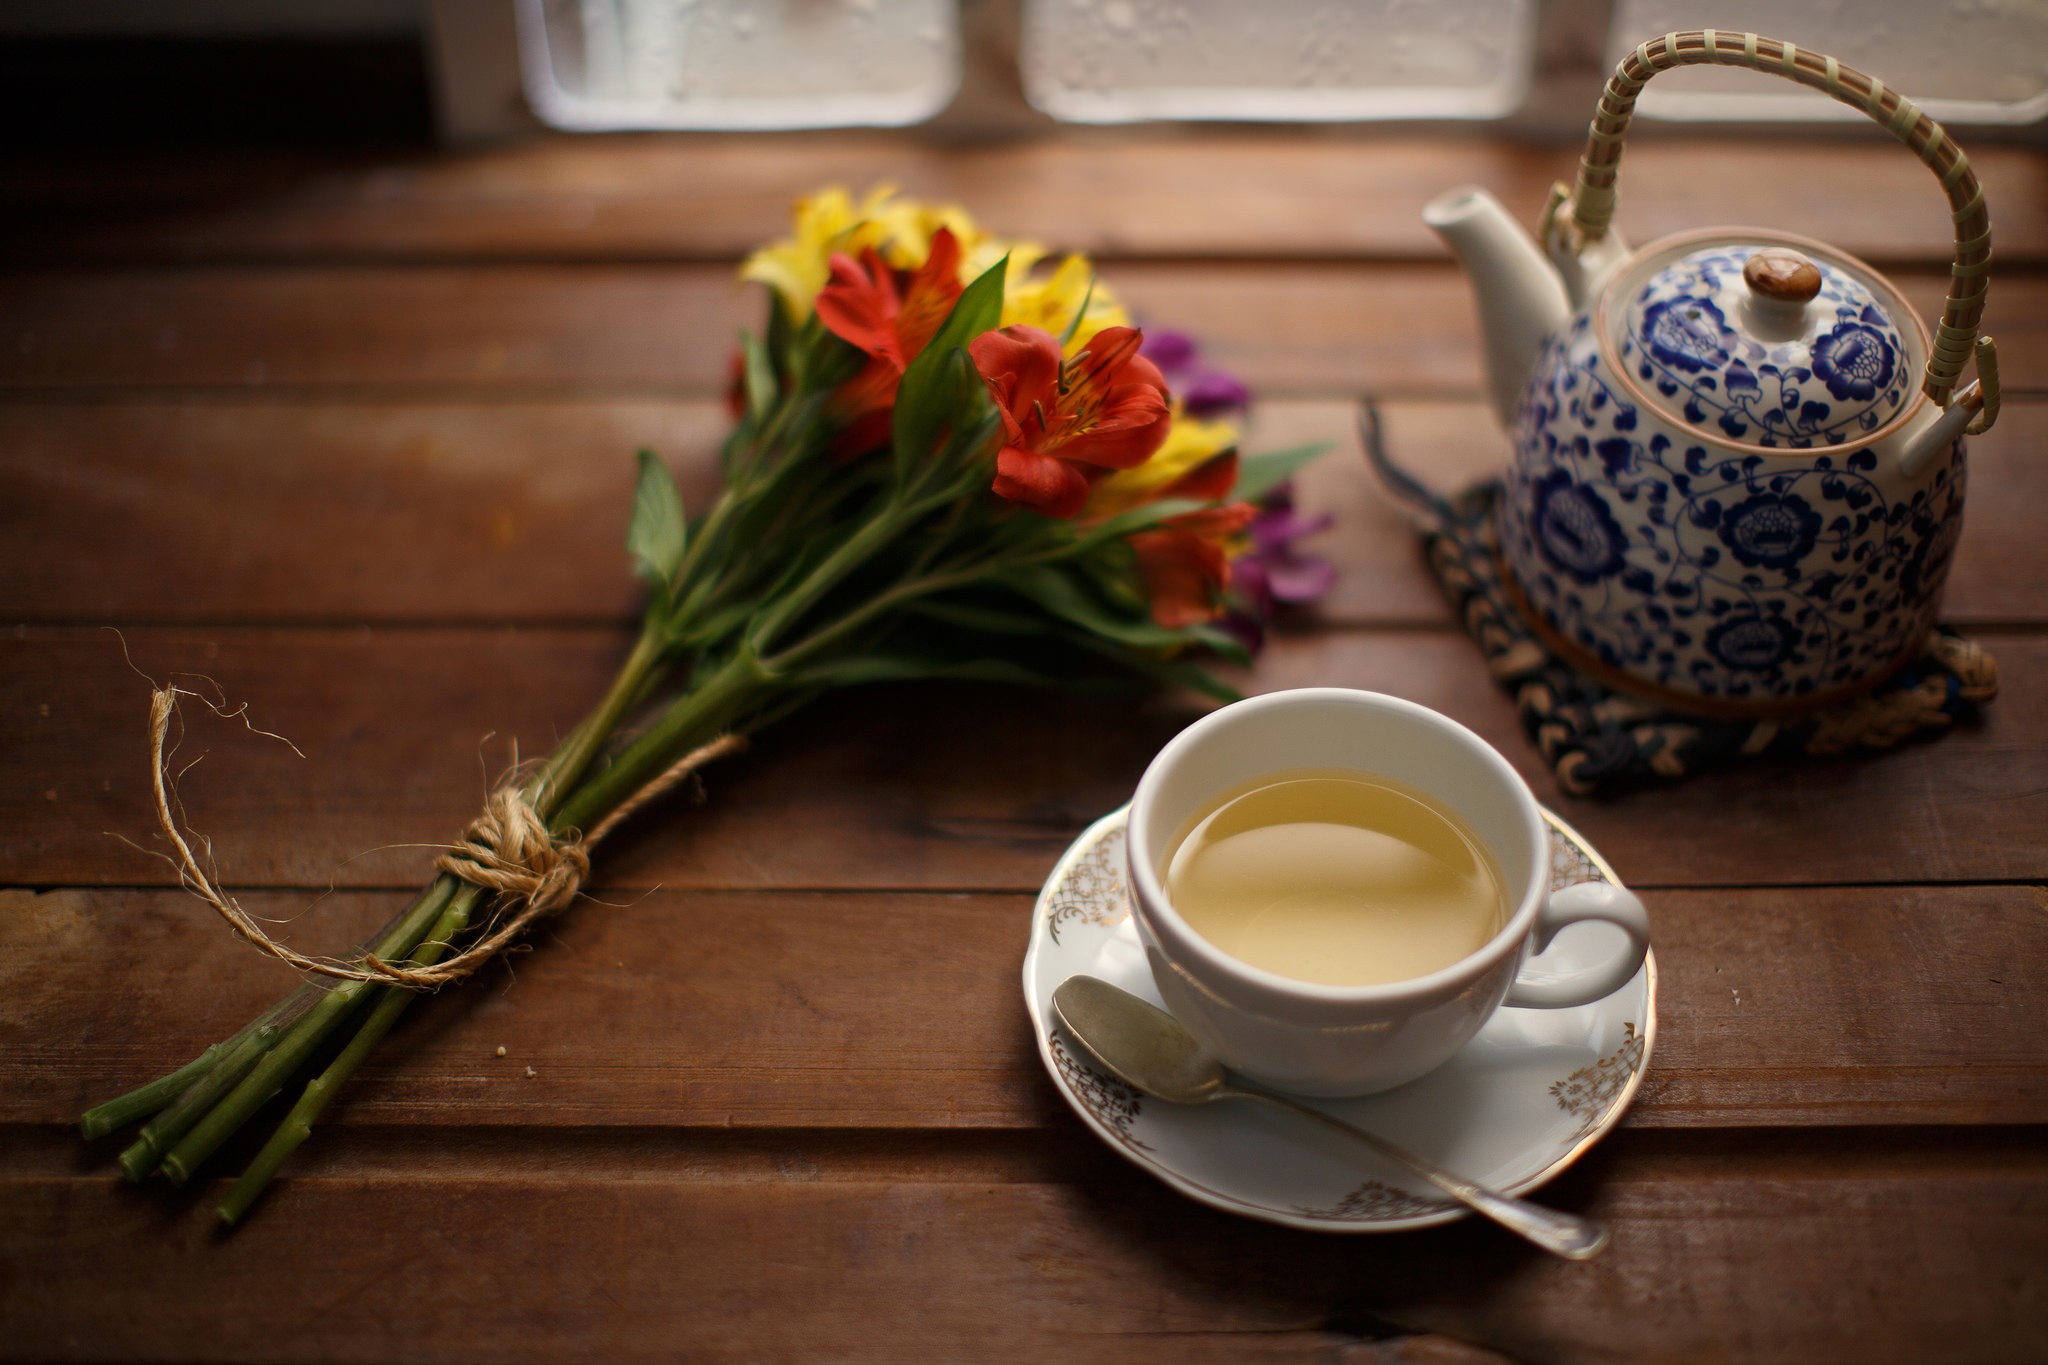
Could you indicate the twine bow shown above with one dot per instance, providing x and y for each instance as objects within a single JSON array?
[{"x": 507, "y": 850}]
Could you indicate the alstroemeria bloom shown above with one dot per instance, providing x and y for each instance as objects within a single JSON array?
[
  {"x": 1052, "y": 302},
  {"x": 1207, "y": 392},
  {"x": 1197, "y": 461},
  {"x": 864, "y": 304},
  {"x": 829, "y": 222},
  {"x": 1185, "y": 563},
  {"x": 1269, "y": 569},
  {"x": 1065, "y": 420}
]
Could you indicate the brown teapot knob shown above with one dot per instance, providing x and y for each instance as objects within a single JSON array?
[{"x": 1782, "y": 275}]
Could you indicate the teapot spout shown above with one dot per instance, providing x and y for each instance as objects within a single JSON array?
[{"x": 1521, "y": 297}]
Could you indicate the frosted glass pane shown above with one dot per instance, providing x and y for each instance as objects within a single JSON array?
[
  {"x": 1970, "y": 61},
  {"x": 599, "y": 64},
  {"x": 1114, "y": 61}
]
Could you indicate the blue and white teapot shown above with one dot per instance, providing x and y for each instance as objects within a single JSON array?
[{"x": 1738, "y": 469}]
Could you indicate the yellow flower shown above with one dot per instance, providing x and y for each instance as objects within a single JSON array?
[
  {"x": 829, "y": 221},
  {"x": 1190, "y": 444},
  {"x": 908, "y": 228},
  {"x": 1050, "y": 303}
]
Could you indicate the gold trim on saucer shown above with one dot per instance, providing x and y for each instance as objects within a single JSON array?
[
  {"x": 1087, "y": 887},
  {"x": 1092, "y": 890}
]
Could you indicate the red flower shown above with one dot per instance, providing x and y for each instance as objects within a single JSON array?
[
  {"x": 861, "y": 304},
  {"x": 892, "y": 317},
  {"x": 1185, "y": 565},
  {"x": 1066, "y": 420}
]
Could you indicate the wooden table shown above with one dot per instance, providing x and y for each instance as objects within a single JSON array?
[{"x": 351, "y": 434}]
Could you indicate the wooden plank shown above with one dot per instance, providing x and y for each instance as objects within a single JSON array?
[
  {"x": 679, "y": 1010},
  {"x": 1754, "y": 1249},
  {"x": 1122, "y": 193},
  {"x": 916, "y": 786},
  {"x": 1290, "y": 329},
  {"x": 334, "y": 511},
  {"x": 512, "y": 512}
]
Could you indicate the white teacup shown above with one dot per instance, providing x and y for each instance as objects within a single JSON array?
[{"x": 1353, "y": 1040}]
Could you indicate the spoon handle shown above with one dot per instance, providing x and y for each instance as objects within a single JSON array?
[{"x": 1566, "y": 1234}]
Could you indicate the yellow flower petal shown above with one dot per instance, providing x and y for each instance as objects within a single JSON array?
[
  {"x": 1050, "y": 303},
  {"x": 1189, "y": 444},
  {"x": 796, "y": 267}
]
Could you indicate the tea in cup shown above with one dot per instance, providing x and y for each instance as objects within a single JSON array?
[{"x": 1336, "y": 889}]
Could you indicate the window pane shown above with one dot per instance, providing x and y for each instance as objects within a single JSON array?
[
  {"x": 1974, "y": 61},
  {"x": 1113, "y": 61},
  {"x": 597, "y": 64}
]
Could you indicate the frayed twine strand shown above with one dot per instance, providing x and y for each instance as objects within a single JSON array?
[{"x": 507, "y": 850}]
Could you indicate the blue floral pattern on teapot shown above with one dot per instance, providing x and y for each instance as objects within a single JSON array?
[
  {"x": 1716, "y": 571},
  {"x": 1844, "y": 376}
]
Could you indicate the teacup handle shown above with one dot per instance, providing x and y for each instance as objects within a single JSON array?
[{"x": 1584, "y": 901}]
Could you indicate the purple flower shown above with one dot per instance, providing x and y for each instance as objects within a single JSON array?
[
  {"x": 1172, "y": 352},
  {"x": 1212, "y": 393},
  {"x": 1207, "y": 393},
  {"x": 1272, "y": 571}
]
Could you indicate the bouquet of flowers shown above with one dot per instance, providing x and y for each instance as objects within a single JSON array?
[{"x": 952, "y": 458}]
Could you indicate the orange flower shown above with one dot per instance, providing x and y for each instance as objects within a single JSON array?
[
  {"x": 861, "y": 304},
  {"x": 1066, "y": 421},
  {"x": 1185, "y": 563}
]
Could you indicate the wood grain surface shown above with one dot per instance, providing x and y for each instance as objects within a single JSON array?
[
  {"x": 349, "y": 433},
  {"x": 903, "y": 786},
  {"x": 1124, "y": 195},
  {"x": 1292, "y": 329},
  {"x": 765, "y": 1010},
  {"x": 422, "y": 511}
]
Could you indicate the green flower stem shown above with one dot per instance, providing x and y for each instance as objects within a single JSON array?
[
  {"x": 160, "y": 1093},
  {"x": 737, "y": 575},
  {"x": 558, "y": 776},
  {"x": 739, "y": 490},
  {"x": 807, "y": 649},
  {"x": 146, "y": 1153},
  {"x": 298, "y": 1042},
  {"x": 145, "y": 1100},
  {"x": 454, "y": 903},
  {"x": 709, "y": 706},
  {"x": 959, "y": 575},
  {"x": 898, "y": 516},
  {"x": 695, "y": 717},
  {"x": 704, "y": 710},
  {"x": 321, "y": 1090}
]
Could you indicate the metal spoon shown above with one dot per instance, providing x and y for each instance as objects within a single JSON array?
[{"x": 1146, "y": 1048}]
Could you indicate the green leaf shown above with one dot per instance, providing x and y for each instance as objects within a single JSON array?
[
  {"x": 1142, "y": 518},
  {"x": 782, "y": 338},
  {"x": 1071, "y": 601},
  {"x": 1174, "y": 672},
  {"x": 1079, "y": 313},
  {"x": 758, "y": 369},
  {"x": 1258, "y": 475},
  {"x": 1221, "y": 642},
  {"x": 658, "y": 532},
  {"x": 986, "y": 620},
  {"x": 932, "y": 397},
  {"x": 870, "y": 668},
  {"x": 1194, "y": 677}
]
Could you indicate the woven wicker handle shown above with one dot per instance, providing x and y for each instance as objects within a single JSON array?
[{"x": 1592, "y": 203}]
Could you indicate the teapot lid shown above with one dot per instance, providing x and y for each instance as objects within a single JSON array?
[{"x": 1767, "y": 345}]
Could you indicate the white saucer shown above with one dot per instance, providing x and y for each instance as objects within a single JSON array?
[{"x": 1519, "y": 1104}]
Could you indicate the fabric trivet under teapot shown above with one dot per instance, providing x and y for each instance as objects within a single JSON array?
[{"x": 1598, "y": 739}]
